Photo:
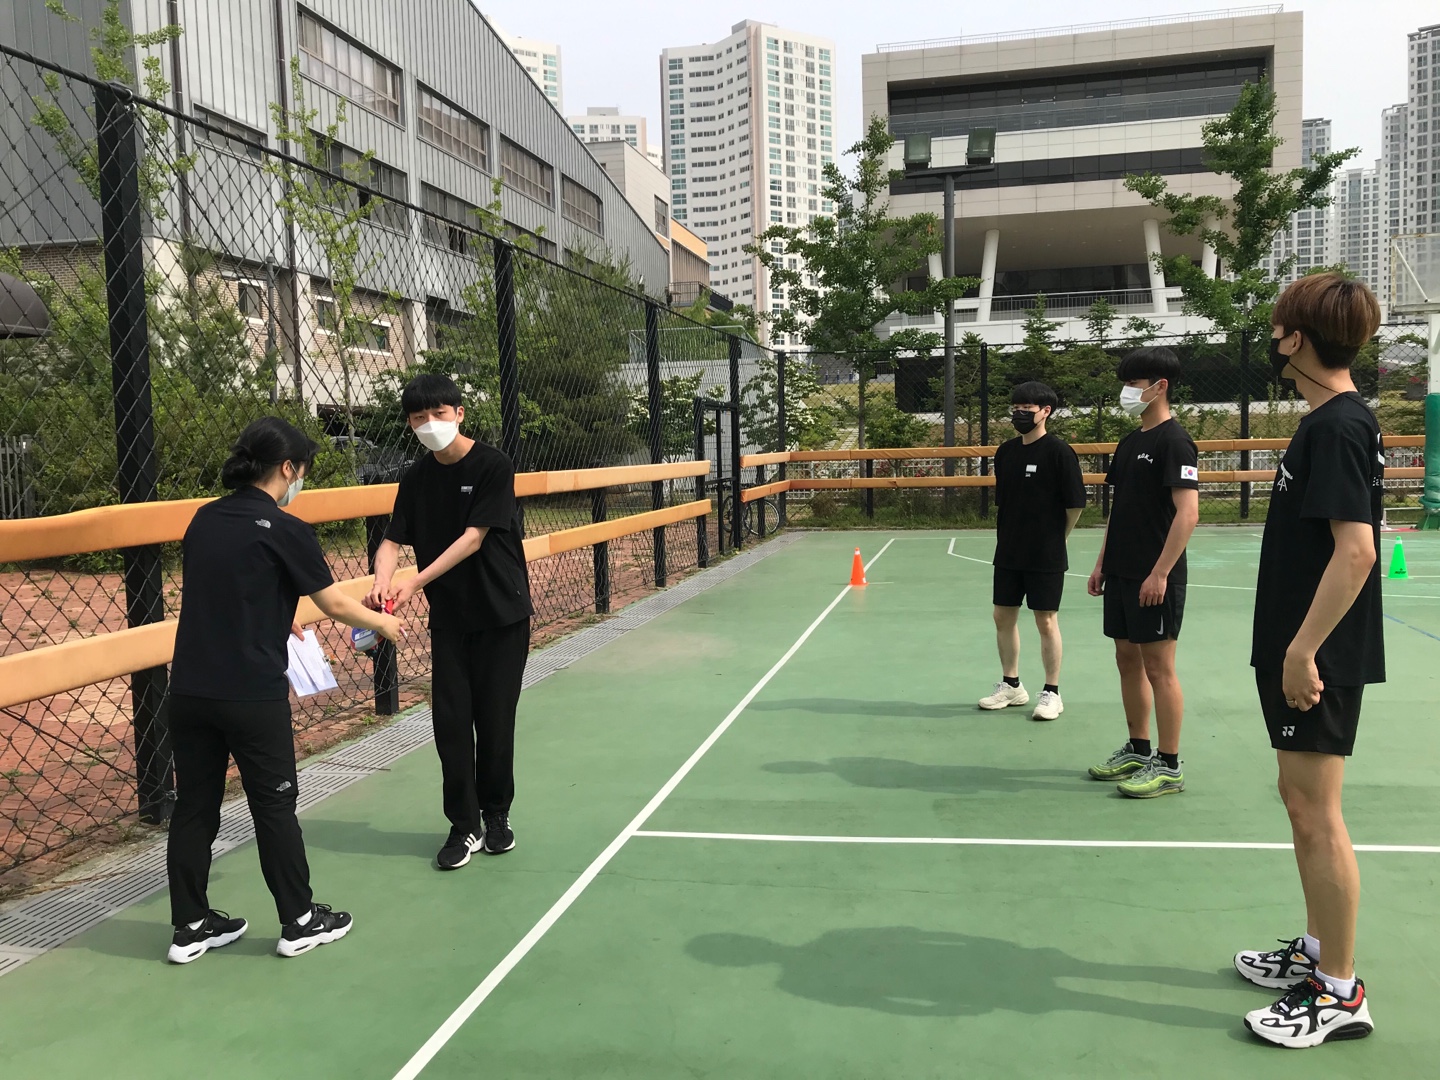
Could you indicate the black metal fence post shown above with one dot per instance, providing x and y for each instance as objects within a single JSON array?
[
  {"x": 760, "y": 506},
  {"x": 782, "y": 431},
  {"x": 1244, "y": 420},
  {"x": 737, "y": 522},
  {"x": 117, "y": 146},
  {"x": 656, "y": 403},
  {"x": 599, "y": 513},
  {"x": 870, "y": 491},
  {"x": 508, "y": 354},
  {"x": 387, "y": 668},
  {"x": 984, "y": 424},
  {"x": 702, "y": 523}
]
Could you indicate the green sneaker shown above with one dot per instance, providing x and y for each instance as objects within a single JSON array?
[
  {"x": 1120, "y": 764},
  {"x": 1155, "y": 779}
]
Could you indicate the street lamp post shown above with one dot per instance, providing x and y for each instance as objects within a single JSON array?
[{"x": 979, "y": 157}]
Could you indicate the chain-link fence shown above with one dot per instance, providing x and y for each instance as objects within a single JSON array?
[{"x": 196, "y": 281}]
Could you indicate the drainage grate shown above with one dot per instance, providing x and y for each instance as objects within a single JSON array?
[{"x": 39, "y": 923}]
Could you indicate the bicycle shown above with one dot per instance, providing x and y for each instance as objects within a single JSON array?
[{"x": 750, "y": 520}]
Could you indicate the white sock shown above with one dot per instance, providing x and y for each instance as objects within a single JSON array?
[
  {"x": 304, "y": 920},
  {"x": 1311, "y": 947},
  {"x": 196, "y": 924},
  {"x": 1344, "y": 989}
]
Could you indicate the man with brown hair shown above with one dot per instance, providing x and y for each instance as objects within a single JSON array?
[{"x": 1318, "y": 641}]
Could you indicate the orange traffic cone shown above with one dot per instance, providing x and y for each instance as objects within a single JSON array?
[{"x": 857, "y": 571}]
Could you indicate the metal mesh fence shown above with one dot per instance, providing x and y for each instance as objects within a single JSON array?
[{"x": 194, "y": 282}]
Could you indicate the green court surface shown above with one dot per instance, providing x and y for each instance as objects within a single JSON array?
[{"x": 795, "y": 902}]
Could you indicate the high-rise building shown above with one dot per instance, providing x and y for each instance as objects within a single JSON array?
[
  {"x": 1394, "y": 155},
  {"x": 749, "y": 125},
  {"x": 1361, "y": 239},
  {"x": 541, "y": 59},
  {"x": 605, "y": 124},
  {"x": 1309, "y": 236},
  {"x": 1421, "y": 201}
]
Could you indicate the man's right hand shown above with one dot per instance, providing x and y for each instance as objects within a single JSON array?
[
  {"x": 1096, "y": 585},
  {"x": 375, "y": 598}
]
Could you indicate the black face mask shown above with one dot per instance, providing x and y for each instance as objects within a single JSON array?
[
  {"x": 1278, "y": 360},
  {"x": 1024, "y": 421}
]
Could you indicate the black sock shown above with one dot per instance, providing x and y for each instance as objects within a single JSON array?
[
  {"x": 1012, "y": 681},
  {"x": 1172, "y": 761},
  {"x": 1051, "y": 688},
  {"x": 1140, "y": 746}
]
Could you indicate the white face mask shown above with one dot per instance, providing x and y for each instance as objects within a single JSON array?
[
  {"x": 1132, "y": 400},
  {"x": 437, "y": 434},
  {"x": 291, "y": 492}
]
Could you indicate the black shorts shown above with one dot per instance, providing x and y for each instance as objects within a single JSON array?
[
  {"x": 1126, "y": 620},
  {"x": 1040, "y": 589},
  {"x": 1328, "y": 728}
]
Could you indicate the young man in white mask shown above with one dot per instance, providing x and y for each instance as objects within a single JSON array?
[
  {"x": 1141, "y": 573},
  {"x": 456, "y": 507}
]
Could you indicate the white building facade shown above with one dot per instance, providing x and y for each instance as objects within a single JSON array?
[
  {"x": 1309, "y": 238},
  {"x": 1076, "y": 111},
  {"x": 607, "y": 124},
  {"x": 748, "y": 127},
  {"x": 1361, "y": 237},
  {"x": 541, "y": 61}
]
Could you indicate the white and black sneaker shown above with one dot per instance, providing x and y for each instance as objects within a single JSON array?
[
  {"x": 324, "y": 927},
  {"x": 499, "y": 838},
  {"x": 215, "y": 931},
  {"x": 457, "y": 850},
  {"x": 1312, "y": 1013},
  {"x": 1279, "y": 969}
]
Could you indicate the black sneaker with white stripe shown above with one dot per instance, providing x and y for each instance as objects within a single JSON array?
[
  {"x": 457, "y": 850},
  {"x": 1312, "y": 1013},
  {"x": 325, "y": 926},
  {"x": 216, "y": 930},
  {"x": 1279, "y": 969},
  {"x": 499, "y": 838}
]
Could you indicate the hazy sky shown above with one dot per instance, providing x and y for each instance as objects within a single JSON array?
[{"x": 1354, "y": 49}]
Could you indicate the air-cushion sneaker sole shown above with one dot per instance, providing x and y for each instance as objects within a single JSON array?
[
  {"x": 185, "y": 952},
  {"x": 1122, "y": 763},
  {"x": 324, "y": 927},
  {"x": 1311, "y": 1014}
]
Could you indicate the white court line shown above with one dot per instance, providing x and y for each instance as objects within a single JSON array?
[
  {"x": 456, "y": 1019},
  {"x": 975, "y": 841}
]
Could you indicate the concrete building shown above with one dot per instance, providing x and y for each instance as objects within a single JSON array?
[
  {"x": 1394, "y": 156},
  {"x": 605, "y": 124},
  {"x": 1421, "y": 200},
  {"x": 1361, "y": 239},
  {"x": 749, "y": 124},
  {"x": 1076, "y": 111},
  {"x": 1309, "y": 239},
  {"x": 436, "y": 97},
  {"x": 541, "y": 61}
]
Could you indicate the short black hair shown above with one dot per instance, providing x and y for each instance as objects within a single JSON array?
[
  {"x": 265, "y": 445},
  {"x": 1154, "y": 363},
  {"x": 1035, "y": 393},
  {"x": 429, "y": 391}
]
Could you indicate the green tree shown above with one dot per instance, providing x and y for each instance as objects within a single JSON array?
[
  {"x": 845, "y": 285},
  {"x": 809, "y": 421}
]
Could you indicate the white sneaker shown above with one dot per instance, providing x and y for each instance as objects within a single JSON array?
[
  {"x": 1049, "y": 707},
  {"x": 1004, "y": 696}
]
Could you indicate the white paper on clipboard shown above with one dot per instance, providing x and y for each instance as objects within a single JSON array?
[{"x": 309, "y": 672}]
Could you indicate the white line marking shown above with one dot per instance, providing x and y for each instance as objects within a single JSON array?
[
  {"x": 973, "y": 841},
  {"x": 456, "y": 1019}
]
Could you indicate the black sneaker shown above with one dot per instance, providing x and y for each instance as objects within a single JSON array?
[
  {"x": 498, "y": 837},
  {"x": 1312, "y": 1013},
  {"x": 1279, "y": 969},
  {"x": 217, "y": 930},
  {"x": 457, "y": 850},
  {"x": 324, "y": 927}
]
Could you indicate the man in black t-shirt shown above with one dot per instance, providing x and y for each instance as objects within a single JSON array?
[
  {"x": 1141, "y": 573},
  {"x": 456, "y": 507},
  {"x": 1039, "y": 493},
  {"x": 1318, "y": 641}
]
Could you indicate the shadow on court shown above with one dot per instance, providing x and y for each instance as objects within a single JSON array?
[
  {"x": 360, "y": 838},
  {"x": 891, "y": 774},
  {"x": 132, "y": 939},
  {"x": 858, "y": 707},
  {"x": 912, "y": 972}
]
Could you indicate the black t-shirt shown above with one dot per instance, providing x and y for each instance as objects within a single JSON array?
[
  {"x": 1333, "y": 470},
  {"x": 1034, "y": 486},
  {"x": 246, "y": 563},
  {"x": 1146, "y": 465},
  {"x": 437, "y": 503}
]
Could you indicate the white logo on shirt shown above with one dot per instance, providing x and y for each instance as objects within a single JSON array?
[
  {"x": 1030, "y": 470},
  {"x": 1189, "y": 472},
  {"x": 1287, "y": 732},
  {"x": 262, "y": 523},
  {"x": 1282, "y": 481},
  {"x": 1145, "y": 457},
  {"x": 466, "y": 489}
]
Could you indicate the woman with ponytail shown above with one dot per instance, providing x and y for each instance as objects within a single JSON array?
[{"x": 246, "y": 564}]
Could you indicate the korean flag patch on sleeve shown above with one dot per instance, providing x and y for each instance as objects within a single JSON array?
[{"x": 1189, "y": 472}]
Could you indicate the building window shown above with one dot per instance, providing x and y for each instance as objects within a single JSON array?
[
  {"x": 251, "y": 300},
  {"x": 444, "y": 229},
  {"x": 230, "y": 135},
  {"x": 326, "y": 314},
  {"x": 374, "y": 336},
  {"x": 382, "y": 179},
  {"x": 453, "y": 129},
  {"x": 534, "y": 241},
  {"x": 581, "y": 206},
  {"x": 522, "y": 171},
  {"x": 662, "y": 217},
  {"x": 348, "y": 68}
]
